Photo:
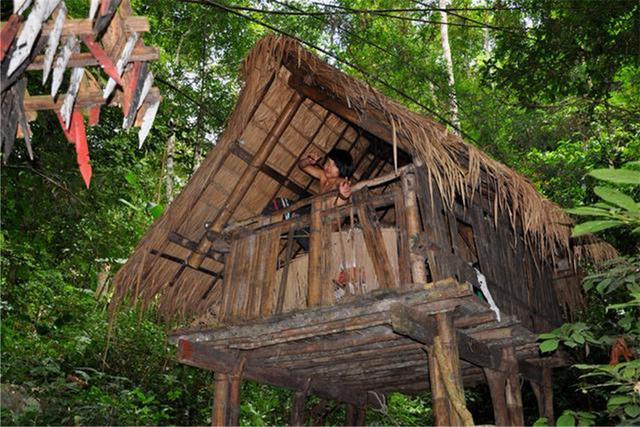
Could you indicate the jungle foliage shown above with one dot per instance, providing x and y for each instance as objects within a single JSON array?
[{"x": 551, "y": 88}]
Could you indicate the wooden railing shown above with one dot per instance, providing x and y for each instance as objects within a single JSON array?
[{"x": 265, "y": 270}]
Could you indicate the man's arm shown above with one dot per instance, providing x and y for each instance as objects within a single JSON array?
[{"x": 310, "y": 165}]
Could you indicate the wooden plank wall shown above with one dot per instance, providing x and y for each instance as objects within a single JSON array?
[{"x": 519, "y": 286}]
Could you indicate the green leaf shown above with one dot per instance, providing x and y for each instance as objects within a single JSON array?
[
  {"x": 549, "y": 345},
  {"x": 618, "y": 400},
  {"x": 632, "y": 410},
  {"x": 547, "y": 336},
  {"x": 587, "y": 211},
  {"x": 132, "y": 180},
  {"x": 541, "y": 422},
  {"x": 617, "y": 176},
  {"x": 156, "y": 211},
  {"x": 618, "y": 198},
  {"x": 566, "y": 419},
  {"x": 594, "y": 226}
]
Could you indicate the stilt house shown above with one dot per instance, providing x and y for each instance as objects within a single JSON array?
[{"x": 438, "y": 273}]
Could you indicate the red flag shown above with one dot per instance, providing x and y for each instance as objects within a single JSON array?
[
  {"x": 68, "y": 133},
  {"x": 8, "y": 33},
  {"x": 103, "y": 59},
  {"x": 94, "y": 115},
  {"x": 82, "y": 149}
]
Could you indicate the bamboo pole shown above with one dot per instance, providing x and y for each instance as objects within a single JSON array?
[
  {"x": 314, "y": 291},
  {"x": 220, "y": 400},
  {"x": 246, "y": 180},
  {"x": 418, "y": 271}
]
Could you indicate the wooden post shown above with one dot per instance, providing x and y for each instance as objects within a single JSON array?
[
  {"x": 418, "y": 271},
  {"x": 235, "y": 379},
  {"x": 361, "y": 417},
  {"x": 448, "y": 340},
  {"x": 445, "y": 375},
  {"x": 352, "y": 414},
  {"x": 297, "y": 409},
  {"x": 514, "y": 396},
  {"x": 246, "y": 180},
  {"x": 314, "y": 293},
  {"x": 372, "y": 234},
  {"x": 504, "y": 386},
  {"x": 438, "y": 394},
  {"x": 544, "y": 394},
  {"x": 220, "y": 400},
  {"x": 496, "y": 381}
]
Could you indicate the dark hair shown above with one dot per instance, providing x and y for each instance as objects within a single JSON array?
[{"x": 343, "y": 162}]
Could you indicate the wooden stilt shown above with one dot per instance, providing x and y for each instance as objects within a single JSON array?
[
  {"x": 448, "y": 341},
  {"x": 418, "y": 271},
  {"x": 512, "y": 389},
  {"x": 352, "y": 414},
  {"x": 233, "y": 411},
  {"x": 496, "y": 381},
  {"x": 361, "y": 417},
  {"x": 504, "y": 386},
  {"x": 297, "y": 409},
  {"x": 220, "y": 400},
  {"x": 438, "y": 395}
]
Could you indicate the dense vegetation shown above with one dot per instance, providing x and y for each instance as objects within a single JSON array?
[{"x": 551, "y": 88}]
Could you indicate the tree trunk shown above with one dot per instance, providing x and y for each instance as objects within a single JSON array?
[
  {"x": 171, "y": 148},
  {"x": 444, "y": 31}
]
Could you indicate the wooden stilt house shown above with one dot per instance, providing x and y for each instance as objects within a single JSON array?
[{"x": 438, "y": 273}]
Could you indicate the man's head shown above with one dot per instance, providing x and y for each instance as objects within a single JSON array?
[{"x": 339, "y": 164}]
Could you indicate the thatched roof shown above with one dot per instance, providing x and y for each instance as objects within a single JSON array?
[{"x": 339, "y": 111}]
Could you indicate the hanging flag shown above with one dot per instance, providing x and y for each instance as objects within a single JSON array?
[
  {"x": 69, "y": 47},
  {"x": 53, "y": 41},
  {"x": 72, "y": 93},
  {"x": 82, "y": 149},
  {"x": 122, "y": 62},
  {"x": 103, "y": 59},
  {"x": 8, "y": 34}
]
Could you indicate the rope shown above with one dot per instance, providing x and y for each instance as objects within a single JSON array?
[{"x": 456, "y": 396}]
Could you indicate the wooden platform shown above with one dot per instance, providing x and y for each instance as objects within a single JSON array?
[{"x": 365, "y": 347}]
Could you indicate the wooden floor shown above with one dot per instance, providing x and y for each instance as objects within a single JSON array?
[{"x": 364, "y": 347}]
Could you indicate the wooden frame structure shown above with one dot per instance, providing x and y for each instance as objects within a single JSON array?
[
  {"x": 40, "y": 36},
  {"x": 460, "y": 255}
]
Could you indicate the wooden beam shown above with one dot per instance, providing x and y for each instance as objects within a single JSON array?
[
  {"x": 133, "y": 24},
  {"x": 86, "y": 59},
  {"x": 284, "y": 181},
  {"x": 182, "y": 262},
  {"x": 365, "y": 120},
  {"x": 204, "y": 356},
  {"x": 422, "y": 328}
]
